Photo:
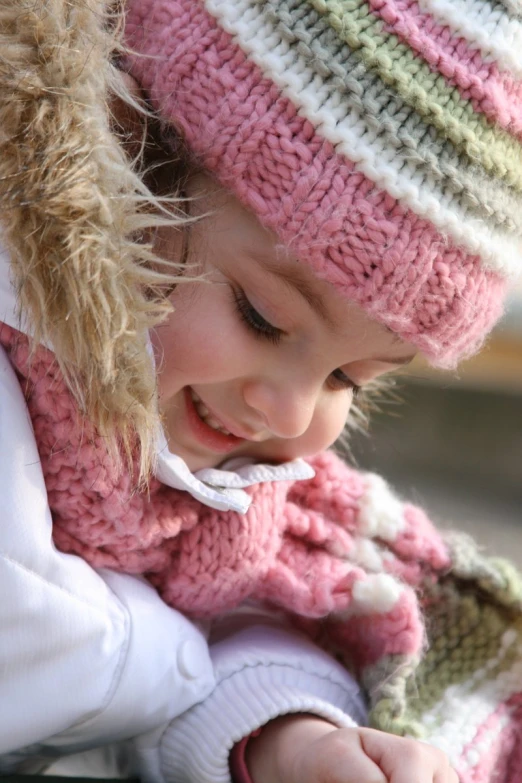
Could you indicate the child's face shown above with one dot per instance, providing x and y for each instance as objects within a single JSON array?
[{"x": 263, "y": 350}]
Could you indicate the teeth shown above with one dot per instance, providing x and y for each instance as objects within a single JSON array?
[
  {"x": 204, "y": 414},
  {"x": 202, "y": 408}
]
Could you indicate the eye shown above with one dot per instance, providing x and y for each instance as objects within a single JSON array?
[
  {"x": 254, "y": 321},
  {"x": 338, "y": 380}
]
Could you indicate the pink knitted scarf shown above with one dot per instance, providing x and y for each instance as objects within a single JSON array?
[
  {"x": 339, "y": 553},
  {"x": 306, "y": 546}
]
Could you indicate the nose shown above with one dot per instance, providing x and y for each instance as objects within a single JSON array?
[{"x": 286, "y": 409}]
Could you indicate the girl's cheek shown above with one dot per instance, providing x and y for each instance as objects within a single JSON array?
[
  {"x": 191, "y": 359},
  {"x": 328, "y": 423},
  {"x": 332, "y": 423},
  {"x": 202, "y": 342}
]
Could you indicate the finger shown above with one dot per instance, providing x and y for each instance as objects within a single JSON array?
[
  {"x": 405, "y": 760},
  {"x": 339, "y": 758},
  {"x": 423, "y": 770},
  {"x": 353, "y": 769},
  {"x": 448, "y": 775}
]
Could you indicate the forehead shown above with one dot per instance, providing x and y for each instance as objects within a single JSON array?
[{"x": 297, "y": 276}]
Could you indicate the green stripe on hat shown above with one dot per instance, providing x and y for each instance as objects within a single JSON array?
[
  {"x": 440, "y": 105},
  {"x": 386, "y": 114}
]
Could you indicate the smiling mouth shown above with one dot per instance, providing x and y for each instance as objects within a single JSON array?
[
  {"x": 208, "y": 430},
  {"x": 205, "y": 415}
]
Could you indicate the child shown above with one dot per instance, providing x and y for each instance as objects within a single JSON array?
[{"x": 353, "y": 179}]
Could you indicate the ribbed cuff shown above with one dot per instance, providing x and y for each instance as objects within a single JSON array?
[{"x": 262, "y": 673}]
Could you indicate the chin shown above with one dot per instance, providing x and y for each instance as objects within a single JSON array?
[{"x": 195, "y": 462}]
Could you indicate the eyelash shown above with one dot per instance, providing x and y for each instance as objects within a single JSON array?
[
  {"x": 261, "y": 328},
  {"x": 339, "y": 381},
  {"x": 254, "y": 320}
]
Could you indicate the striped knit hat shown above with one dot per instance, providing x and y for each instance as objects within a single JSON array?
[{"x": 380, "y": 139}]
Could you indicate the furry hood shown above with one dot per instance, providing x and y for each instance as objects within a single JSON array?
[{"x": 72, "y": 209}]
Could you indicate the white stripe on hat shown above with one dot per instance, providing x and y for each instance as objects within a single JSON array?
[{"x": 483, "y": 24}]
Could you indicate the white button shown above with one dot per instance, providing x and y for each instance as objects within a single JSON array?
[{"x": 192, "y": 659}]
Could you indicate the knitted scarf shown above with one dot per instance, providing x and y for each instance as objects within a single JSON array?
[{"x": 432, "y": 628}]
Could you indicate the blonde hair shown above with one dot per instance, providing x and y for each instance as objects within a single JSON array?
[{"x": 75, "y": 209}]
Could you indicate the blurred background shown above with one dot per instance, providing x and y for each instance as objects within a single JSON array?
[{"x": 453, "y": 442}]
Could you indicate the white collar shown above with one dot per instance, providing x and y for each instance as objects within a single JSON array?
[
  {"x": 220, "y": 488},
  {"x": 223, "y": 488}
]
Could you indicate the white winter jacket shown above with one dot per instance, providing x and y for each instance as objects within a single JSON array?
[
  {"x": 89, "y": 658},
  {"x": 93, "y": 657}
]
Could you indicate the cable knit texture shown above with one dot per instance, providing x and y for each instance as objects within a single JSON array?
[
  {"x": 378, "y": 138},
  {"x": 433, "y": 629}
]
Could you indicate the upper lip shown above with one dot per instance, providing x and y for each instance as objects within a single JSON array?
[{"x": 238, "y": 432}]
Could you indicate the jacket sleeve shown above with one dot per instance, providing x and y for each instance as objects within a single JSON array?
[
  {"x": 85, "y": 657},
  {"x": 263, "y": 670},
  {"x": 89, "y": 658}
]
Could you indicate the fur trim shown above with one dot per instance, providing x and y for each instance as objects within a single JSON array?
[{"x": 71, "y": 203}]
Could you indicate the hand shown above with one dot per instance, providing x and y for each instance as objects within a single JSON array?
[{"x": 305, "y": 749}]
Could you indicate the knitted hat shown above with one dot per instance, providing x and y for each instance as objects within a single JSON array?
[{"x": 380, "y": 139}]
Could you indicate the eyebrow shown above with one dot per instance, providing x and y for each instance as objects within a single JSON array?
[{"x": 399, "y": 360}]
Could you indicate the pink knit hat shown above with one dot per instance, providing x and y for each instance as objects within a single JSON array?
[{"x": 380, "y": 139}]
